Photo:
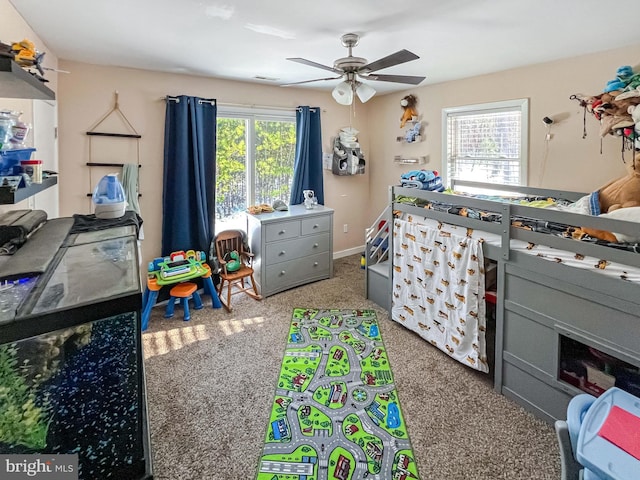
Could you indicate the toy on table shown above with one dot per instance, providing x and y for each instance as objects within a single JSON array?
[{"x": 175, "y": 268}]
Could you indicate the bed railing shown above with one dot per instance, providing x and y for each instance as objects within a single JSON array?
[
  {"x": 377, "y": 239},
  {"x": 507, "y": 231}
]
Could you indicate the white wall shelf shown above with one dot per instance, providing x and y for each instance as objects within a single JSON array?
[{"x": 419, "y": 160}]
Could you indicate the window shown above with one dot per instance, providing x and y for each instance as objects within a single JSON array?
[
  {"x": 254, "y": 164},
  {"x": 486, "y": 142}
]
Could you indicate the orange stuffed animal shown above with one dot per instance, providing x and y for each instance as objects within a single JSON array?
[
  {"x": 623, "y": 192},
  {"x": 619, "y": 199},
  {"x": 408, "y": 104}
]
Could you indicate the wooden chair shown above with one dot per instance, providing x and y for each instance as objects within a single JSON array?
[{"x": 232, "y": 241}]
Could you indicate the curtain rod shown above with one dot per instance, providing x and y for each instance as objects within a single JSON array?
[
  {"x": 265, "y": 107},
  {"x": 169, "y": 98},
  {"x": 242, "y": 105}
]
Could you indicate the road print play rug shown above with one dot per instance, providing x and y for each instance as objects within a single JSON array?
[{"x": 336, "y": 413}]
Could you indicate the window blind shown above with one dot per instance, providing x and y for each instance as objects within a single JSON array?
[{"x": 485, "y": 146}]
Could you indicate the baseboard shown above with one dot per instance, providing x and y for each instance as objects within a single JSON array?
[{"x": 348, "y": 252}]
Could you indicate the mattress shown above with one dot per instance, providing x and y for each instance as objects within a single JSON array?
[{"x": 568, "y": 258}]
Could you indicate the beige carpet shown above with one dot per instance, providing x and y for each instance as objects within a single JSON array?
[{"x": 210, "y": 383}]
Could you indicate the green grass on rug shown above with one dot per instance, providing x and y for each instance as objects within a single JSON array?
[{"x": 336, "y": 412}]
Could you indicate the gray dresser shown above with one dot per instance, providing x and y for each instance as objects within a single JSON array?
[{"x": 291, "y": 248}]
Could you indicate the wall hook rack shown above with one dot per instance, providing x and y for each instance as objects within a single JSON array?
[
  {"x": 116, "y": 110},
  {"x": 132, "y": 133}
]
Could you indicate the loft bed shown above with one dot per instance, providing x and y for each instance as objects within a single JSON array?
[{"x": 567, "y": 319}]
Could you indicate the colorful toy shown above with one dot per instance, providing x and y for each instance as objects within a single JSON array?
[
  {"x": 422, "y": 179},
  {"x": 413, "y": 134},
  {"x": 615, "y": 107},
  {"x": 177, "y": 267},
  {"x": 233, "y": 261},
  {"x": 174, "y": 269},
  {"x": 24, "y": 53},
  {"x": 408, "y": 104}
]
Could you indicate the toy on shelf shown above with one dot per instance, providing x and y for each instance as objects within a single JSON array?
[
  {"x": 412, "y": 134},
  {"x": 409, "y": 113},
  {"x": 24, "y": 53},
  {"x": 617, "y": 107}
]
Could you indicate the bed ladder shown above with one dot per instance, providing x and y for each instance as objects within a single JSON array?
[{"x": 377, "y": 262}]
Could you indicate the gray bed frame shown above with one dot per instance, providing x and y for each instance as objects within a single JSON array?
[{"x": 538, "y": 301}]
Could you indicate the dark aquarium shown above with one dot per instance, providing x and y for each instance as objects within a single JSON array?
[
  {"x": 76, "y": 391},
  {"x": 71, "y": 366}
]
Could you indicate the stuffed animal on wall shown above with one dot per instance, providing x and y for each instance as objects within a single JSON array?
[
  {"x": 413, "y": 134},
  {"x": 408, "y": 104},
  {"x": 623, "y": 192}
]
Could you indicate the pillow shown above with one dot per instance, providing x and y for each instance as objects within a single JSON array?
[{"x": 629, "y": 214}]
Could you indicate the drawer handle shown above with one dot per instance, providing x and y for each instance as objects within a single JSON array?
[
  {"x": 316, "y": 226},
  {"x": 281, "y": 232},
  {"x": 315, "y": 245},
  {"x": 282, "y": 252},
  {"x": 282, "y": 272},
  {"x": 315, "y": 264}
]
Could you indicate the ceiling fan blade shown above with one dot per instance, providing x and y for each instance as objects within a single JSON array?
[
  {"x": 411, "y": 79},
  {"x": 401, "y": 56},
  {"x": 304, "y": 61},
  {"x": 309, "y": 81}
]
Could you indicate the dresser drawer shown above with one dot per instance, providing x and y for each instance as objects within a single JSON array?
[
  {"x": 316, "y": 224},
  {"x": 276, "y": 252},
  {"x": 282, "y": 230},
  {"x": 296, "y": 272}
]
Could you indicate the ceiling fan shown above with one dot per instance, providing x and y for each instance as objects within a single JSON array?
[{"x": 354, "y": 68}]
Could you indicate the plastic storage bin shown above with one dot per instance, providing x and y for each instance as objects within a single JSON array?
[{"x": 10, "y": 160}]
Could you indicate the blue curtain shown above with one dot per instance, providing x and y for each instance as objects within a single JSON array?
[
  {"x": 307, "y": 170},
  {"x": 188, "y": 195}
]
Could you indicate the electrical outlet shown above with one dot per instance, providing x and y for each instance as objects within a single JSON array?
[{"x": 345, "y": 228}]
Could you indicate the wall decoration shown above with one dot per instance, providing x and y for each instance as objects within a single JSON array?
[
  {"x": 617, "y": 108},
  {"x": 411, "y": 120},
  {"x": 348, "y": 158}
]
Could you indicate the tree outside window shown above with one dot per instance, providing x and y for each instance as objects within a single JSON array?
[{"x": 254, "y": 165}]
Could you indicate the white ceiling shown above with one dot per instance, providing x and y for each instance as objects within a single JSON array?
[{"x": 247, "y": 38}]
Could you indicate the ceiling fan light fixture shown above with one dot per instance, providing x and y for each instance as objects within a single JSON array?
[
  {"x": 343, "y": 93},
  {"x": 364, "y": 92}
]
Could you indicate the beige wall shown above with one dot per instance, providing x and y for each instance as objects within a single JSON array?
[
  {"x": 13, "y": 29},
  {"x": 87, "y": 94},
  {"x": 572, "y": 163}
]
